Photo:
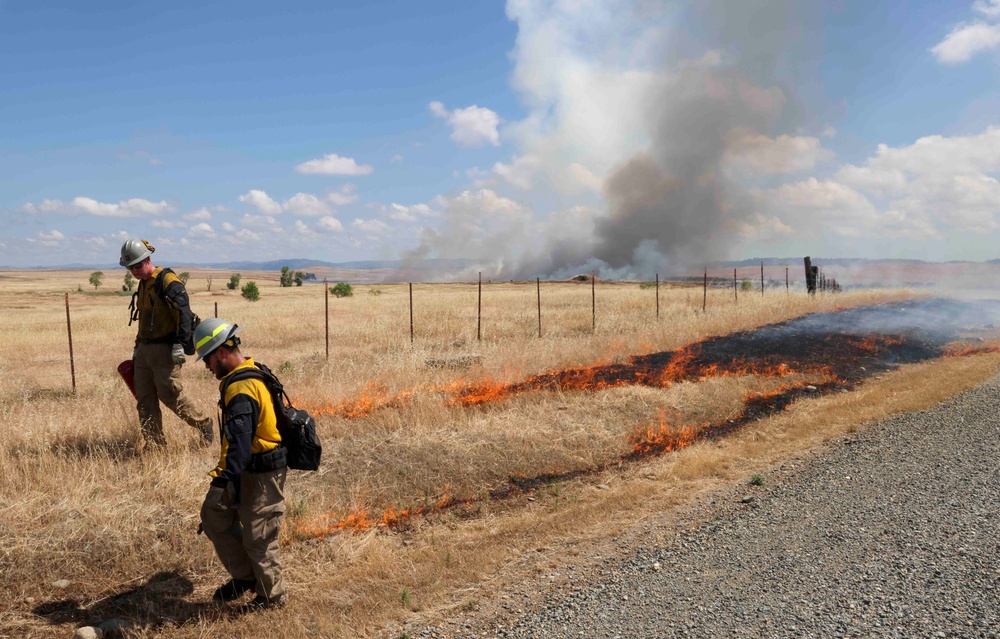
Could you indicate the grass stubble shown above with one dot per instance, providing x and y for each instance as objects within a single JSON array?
[{"x": 78, "y": 502}]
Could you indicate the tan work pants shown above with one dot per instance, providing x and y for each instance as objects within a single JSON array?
[
  {"x": 246, "y": 538},
  {"x": 158, "y": 379}
]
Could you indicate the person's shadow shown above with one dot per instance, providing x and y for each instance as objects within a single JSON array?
[{"x": 157, "y": 602}]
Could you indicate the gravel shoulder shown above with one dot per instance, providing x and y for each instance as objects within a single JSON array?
[{"x": 890, "y": 532}]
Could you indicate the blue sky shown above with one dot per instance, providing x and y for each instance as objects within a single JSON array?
[{"x": 532, "y": 137}]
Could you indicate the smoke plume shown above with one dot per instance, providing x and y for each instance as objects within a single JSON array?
[{"x": 646, "y": 122}]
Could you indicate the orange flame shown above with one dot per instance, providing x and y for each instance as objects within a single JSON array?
[{"x": 663, "y": 438}]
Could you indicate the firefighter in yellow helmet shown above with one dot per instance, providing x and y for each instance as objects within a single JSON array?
[
  {"x": 245, "y": 504},
  {"x": 166, "y": 323}
]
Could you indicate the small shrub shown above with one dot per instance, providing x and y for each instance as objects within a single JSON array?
[
  {"x": 757, "y": 480},
  {"x": 286, "y": 277},
  {"x": 129, "y": 282},
  {"x": 374, "y": 292},
  {"x": 647, "y": 285},
  {"x": 342, "y": 289},
  {"x": 405, "y": 598},
  {"x": 298, "y": 508},
  {"x": 746, "y": 285},
  {"x": 184, "y": 277},
  {"x": 298, "y": 278},
  {"x": 234, "y": 281},
  {"x": 250, "y": 291}
]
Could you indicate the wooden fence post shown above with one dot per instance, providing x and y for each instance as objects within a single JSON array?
[
  {"x": 326, "y": 311},
  {"x": 216, "y": 310},
  {"x": 704, "y": 290},
  {"x": 786, "y": 279},
  {"x": 479, "y": 310},
  {"x": 593, "y": 302},
  {"x": 657, "y": 295},
  {"x": 736, "y": 295},
  {"x": 762, "y": 278},
  {"x": 411, "y": 312},
  {"x": 538, "y": 287},
  {"x": 69, "y": 332}
]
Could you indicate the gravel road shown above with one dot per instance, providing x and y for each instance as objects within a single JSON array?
[{"x": 890, "y": 532}]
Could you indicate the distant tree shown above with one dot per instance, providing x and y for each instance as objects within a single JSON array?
[
  {"x": 184, "y": 277},
  {"x": 309, "y": 276},
  {"x": 95, "y": 278},
  {"x": 129, "y": 282},
  {"x": 250, "y": 291},
  {"x": 746, "y": 285},
  {"x": 342, "y": 289},
  {"x": 234, "y": 281},
  {"x": 286, "y": 276},
  {"x": 209, "y": 282},
  {"x": 298, "y": 278}
]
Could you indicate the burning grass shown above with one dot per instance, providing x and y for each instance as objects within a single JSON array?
[{"x": 408, "y": 447}]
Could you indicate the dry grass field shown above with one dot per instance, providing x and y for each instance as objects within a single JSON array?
[{"x": 81, "y": 502}]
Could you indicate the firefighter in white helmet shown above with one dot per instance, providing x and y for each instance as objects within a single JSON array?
[
  {"x": 166, "y": 323},
  {"x": 245, "y": 504}
]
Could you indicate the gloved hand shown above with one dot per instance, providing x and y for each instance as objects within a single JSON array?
[
  {"x": 177, "y": 353},
  {"x": 213, "y": 499}
]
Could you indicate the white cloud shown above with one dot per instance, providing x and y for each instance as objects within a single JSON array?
[
  {"x": 166, "y": 224},
  {"x": 201, "y": 214},
  {"x": 989, "y": 8},
  {"x": 343, "y": 197},
  {"x": 333, "y": 164},
  {"x": 51, "y": 238},
  {"x": 303, "y": 229},
  {"x": 201, "y": 231},
  {"x": 373, "y": 227},
  {"x": 519, "y": 172},
  {"x": 305, "y": 204},
  {"x": 396, "y": 158},
  {"x": 470, "y": 127},
  {"x": 965, "y": 41},
  {"x": 228, "y": 228},
  {"x": 402, "y": 213},
  {"x": 266, "y": 222},
  {"x": 246, "y": 236},
  {"x": 134, "y": 207},
  {"x": 261, "y": 201},
  {"x": 924, "y": 190},
  {"x": 751, "y": 153},
  {"x": 329, "y": 224},
  {"x": 45, "y": 206}
]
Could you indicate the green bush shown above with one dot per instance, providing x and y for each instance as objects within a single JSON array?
[
  {"x": 129, "y": 282},
  {"x": 286, "y": 277},
  {"x": 184, "y": 277},
  {"x": 374, "y": 292},
  {"x": 746, "y": 285},
  {"x": 250, "y": 291},
  {"x": 234, "y": 281},
  {"x": 95, "y": 278},
  {"x": 647, "y": 285},
  {"x": 342, "y": 289}
]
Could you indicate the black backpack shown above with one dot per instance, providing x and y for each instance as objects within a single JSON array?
[{"x": 296, "y": 427}]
